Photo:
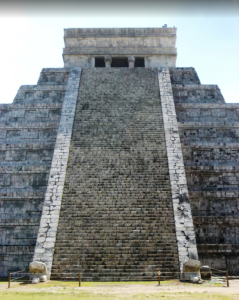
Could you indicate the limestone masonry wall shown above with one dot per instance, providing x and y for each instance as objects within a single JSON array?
[
  {"x": 156, "y": 45},
  {"x": 28, "y": 130},
  {"x": 116, "y": 220},
  {"x": 209, "y": 133}
]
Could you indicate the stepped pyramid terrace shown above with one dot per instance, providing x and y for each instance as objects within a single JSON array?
[{"x": 119, "y": 164}]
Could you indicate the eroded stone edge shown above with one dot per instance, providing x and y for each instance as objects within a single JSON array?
[
  {"x": 46, "y": 237},
  {"x": 185, "y": 235}
]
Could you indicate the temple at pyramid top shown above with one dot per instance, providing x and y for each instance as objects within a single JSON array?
[{"x": 120, "y": 47}]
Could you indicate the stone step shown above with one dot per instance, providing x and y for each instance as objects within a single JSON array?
[
  {"x": 20, "y": 194},
  {"x": 221, "y": 113},
  {"x": 44, "y": 136},
  {"x": 184, "y": 76},
  {"x": 29, "y": 169},
  {"x": 53, "y": 76},
  {"x": 35, "y": 145},
  {"x": 196, "y": 93},
  {"x": 120, "y": 277},
  {"x": 27, "y": 125},
  {"x": 99, "y": 270},
  {"x": 116, "y": 210}
]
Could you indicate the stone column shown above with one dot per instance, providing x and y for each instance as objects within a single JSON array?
[
  {"x": 185, "y": 235},
  {"x": 46, "y": 238},
  {"x": 108, "y": 61},
  {"x": 131, "y": 61},
  {"x": 92, "y": 62}
]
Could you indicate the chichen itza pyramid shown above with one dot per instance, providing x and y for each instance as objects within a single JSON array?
[{"x": 120, "y": 164}]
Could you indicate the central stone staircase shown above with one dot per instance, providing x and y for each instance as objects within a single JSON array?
[{"x": 116, "y": 221}]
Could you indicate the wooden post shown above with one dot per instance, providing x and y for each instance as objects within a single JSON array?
[
  {"x": 79, "y": 280},
  {"x": 9, "y": 280},
  {"x": 159, "y": 274},
  {"x": 227, "y": 279}
]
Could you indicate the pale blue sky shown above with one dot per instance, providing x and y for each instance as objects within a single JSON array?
[{"x": 30, "y": 42}]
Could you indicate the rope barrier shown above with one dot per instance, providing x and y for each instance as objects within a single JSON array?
[
  {"x": 219, "y": 270},
  {"x": 18, "y": 272},
  {"x": 214, "y": 275},
  {"x": 26, "y": 274}
]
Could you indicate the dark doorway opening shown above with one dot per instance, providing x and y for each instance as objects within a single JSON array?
[
  {"x": 139, "y": 62},
  {"x": 119, "y": 62},
  {"x": 99, "y": 62}
]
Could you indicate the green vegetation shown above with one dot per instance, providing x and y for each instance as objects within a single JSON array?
[
  {"x": 69, "y": 290},
  {"x": 70, "y": 295}
]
